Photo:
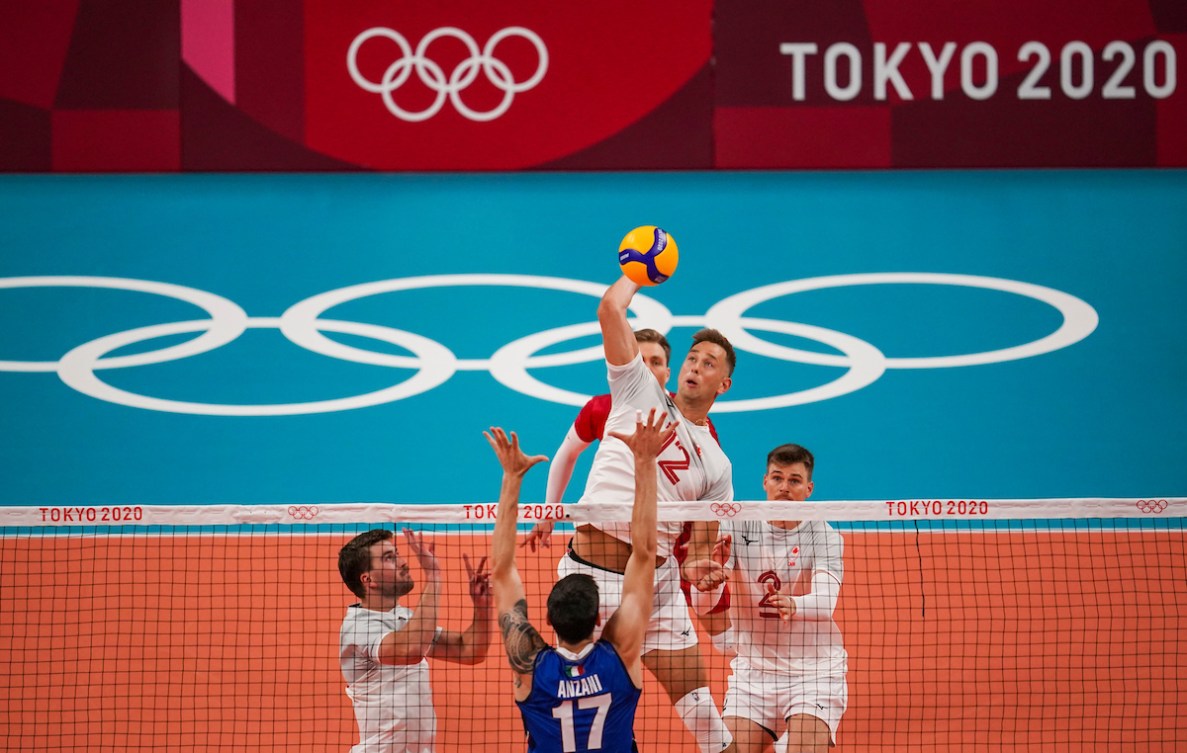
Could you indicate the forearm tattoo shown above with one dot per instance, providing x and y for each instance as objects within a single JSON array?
[{"x": 520, "y": 638}]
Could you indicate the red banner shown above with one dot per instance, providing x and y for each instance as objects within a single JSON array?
[
  {"x": 880, "y": 84},
  {"x": 298, "y": 85}
]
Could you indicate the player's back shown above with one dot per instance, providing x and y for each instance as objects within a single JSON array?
[{"x": 582, "y": 702}]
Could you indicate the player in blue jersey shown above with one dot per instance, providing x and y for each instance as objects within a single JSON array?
[{"x": 581, "y": 695}]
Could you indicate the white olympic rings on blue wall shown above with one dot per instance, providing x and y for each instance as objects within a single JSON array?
[{"x": 435, "y": 363}]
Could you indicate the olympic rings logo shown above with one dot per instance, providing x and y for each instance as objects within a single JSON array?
[
  {"x": 433, "y": 364},
  {"x": 303, "y": 512},
  {"x": 433, "y": 76},
  {"x": 1150, "y": 506},
  {"x": 726, "y": 509}
]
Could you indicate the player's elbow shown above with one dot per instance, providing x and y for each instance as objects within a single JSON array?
[
  {"x": 606, "y": 311},
  {"x": 502, "y": 574},
  {"x": 611, "y": 308},
  {"x": 472, "y": 655},
  {"x": 646, "y": 547}
]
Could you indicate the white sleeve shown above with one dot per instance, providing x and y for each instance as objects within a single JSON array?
[
  {"x": 632, "y": 384},
  {"x": 560, "y": 470},
  {"x": 822, "y": 600}
]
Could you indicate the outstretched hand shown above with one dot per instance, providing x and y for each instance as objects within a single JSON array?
[
  {"x": 479, "y": 580},
  {"x": 539, "y": 537},
  {"x": 511, "y": 457},
  {"x": 423, "y": 551},
  {"x": 649, "y": 438},
  {"x": 781, "y": 601}
]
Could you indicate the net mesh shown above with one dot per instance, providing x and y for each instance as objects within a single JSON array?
[{"x": 993, "y": 625}]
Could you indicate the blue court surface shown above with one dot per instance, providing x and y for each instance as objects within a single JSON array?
[{"x": 340, "y": 338}]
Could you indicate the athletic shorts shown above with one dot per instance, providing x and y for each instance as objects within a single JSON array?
[
  {"x": 769, "y": 699},
  {"x": 671, "y": 627}
]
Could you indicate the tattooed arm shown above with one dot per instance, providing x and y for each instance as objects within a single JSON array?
[
  {"x": 523, "y": 643},
  {"x": 521, "y": 640}
]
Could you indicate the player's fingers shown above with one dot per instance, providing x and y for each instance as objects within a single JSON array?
[
  {"x": 469, "y": 569},
  {"x": 481, "y": 569},
  {"x": 500, "y": 436},
  {"x": 727, "y": 548}
]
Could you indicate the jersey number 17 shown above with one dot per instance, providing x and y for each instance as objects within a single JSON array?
[{"x": 564, "y": 713}]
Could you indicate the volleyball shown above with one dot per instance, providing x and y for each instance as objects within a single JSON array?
[{"x": 648, "y": 255}]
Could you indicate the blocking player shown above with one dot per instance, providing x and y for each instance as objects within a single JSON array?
[
  {"x": 785, "y": 576},
  {"x": 690, "y": 467},
  {"x": 581, "y": 695},
  {"x": 383, "y": 644}
]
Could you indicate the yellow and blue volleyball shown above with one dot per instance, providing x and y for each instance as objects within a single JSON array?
[{"x": 648, "y": 255}]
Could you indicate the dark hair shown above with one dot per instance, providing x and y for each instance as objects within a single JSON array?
[
  {"x": 354, "y": 559},
  {"x": 573, "y": 607},
  {"x": 788, "y": 454},
  {"x": 709, "y": 335},
  {"x": 647, "y": 335}
]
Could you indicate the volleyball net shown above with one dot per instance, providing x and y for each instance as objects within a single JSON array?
[{"x": 969, "y": 625}]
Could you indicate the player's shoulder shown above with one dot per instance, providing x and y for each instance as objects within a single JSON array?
[
  {"x": 598, "y": 404},
  {"x": 825, "y": 528},
  {"x": 823, "y": 533},
  {"x": 632, "y": 373},
  {"x": 608, "y": 652},
  {"x": 749, "y": 530},
  {"x": 712, "y": 430}
]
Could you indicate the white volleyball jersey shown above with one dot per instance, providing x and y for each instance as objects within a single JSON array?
[
  {"x": 762, "y": 554},
  {"x": 691, "y": 467},
  {"x": 393, "y": 704}
]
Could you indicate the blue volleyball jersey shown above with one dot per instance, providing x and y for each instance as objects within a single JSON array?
[{"x": 583, "y": 704}]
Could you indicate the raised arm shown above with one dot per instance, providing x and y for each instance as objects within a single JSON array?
[
  {"x": 470, "y": 646},
  {"x": 521, "y": 640},
  {"x": 618, "y": 338},
  {"x": 559, "y": 473},
  {"x": 629, "y": 624},
  {"x": 415, "y": 640}
]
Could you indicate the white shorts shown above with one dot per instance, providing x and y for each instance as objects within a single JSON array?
[
  {"x": 769, "y": 699},
  {"x": 671, "y": 627}
]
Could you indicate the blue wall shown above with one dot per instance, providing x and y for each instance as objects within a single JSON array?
[{"x": 1104, "y": 416}]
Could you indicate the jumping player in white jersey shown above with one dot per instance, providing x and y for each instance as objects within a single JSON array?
[
  {"x": 580, "y": 696},
  {"x": 691, "y": 466},
  {"x": 789, "y": 672},
  {"x": 589, "y": 427},
  {"x": 383, "y": 644}
]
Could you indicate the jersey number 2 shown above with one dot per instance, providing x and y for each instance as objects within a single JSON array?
[
  {"x": 669, "y": 467},
  {"x": 564, "y": 713},
  {"x": 765, "y": 607}
]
